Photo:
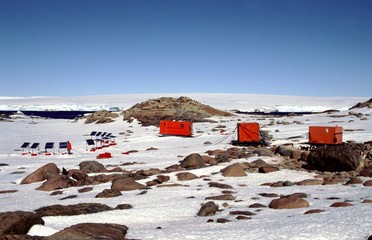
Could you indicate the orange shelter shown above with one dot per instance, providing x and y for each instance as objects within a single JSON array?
[
  {"x": 248, "y": 132},
  {"x": 325, "y": 135},
  {"x": 176, "y": 128}
]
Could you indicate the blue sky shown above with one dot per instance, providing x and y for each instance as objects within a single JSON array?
[{"x": 90, "y": 47}]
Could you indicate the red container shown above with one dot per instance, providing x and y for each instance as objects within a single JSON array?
[
  {"x": 325, "y": 135},
  {"x": 104, "y": 155},
  {"x": 248, "y": 132},
  {"x": 176, "y": 128}
]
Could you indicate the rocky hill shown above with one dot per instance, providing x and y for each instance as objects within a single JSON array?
[{"x": 152, "y": 111}]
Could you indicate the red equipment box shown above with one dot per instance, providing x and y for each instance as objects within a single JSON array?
[
  {"x": 325, "y": 135},
  {"x": 176, "y": 128},
  {"x": 248, "y": 132}
]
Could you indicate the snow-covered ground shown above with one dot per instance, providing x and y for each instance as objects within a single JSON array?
[{"x": 174, "y": 209}]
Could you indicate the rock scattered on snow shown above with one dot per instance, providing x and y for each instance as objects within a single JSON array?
[
  {"x": 91, "y": 231},
  {"x": 18, "y": 223},
  {"x": 208, "y": 209},
  {"x": 288, "y": 203}
]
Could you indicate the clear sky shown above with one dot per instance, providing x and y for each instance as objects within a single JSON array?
[{"x": 95, "y": 47}]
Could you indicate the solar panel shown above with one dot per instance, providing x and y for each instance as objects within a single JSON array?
[
  {"x": 25, "y": 145},
  {"x": 49, "y": 145},
  {"x": 93, "y": 133},
  {"x": 35, "y": 145},
  {"x": 98, "y": 134},
  {"x": 62, "y": 144},
  {"x": 90, "y": 142}
]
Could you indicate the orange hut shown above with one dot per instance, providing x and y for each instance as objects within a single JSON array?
[
  {"x": 176, "y": 128},
  {"x": 325, "y": 135}
]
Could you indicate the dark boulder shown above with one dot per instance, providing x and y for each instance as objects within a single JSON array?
[
  {"x": 366, "y": 172},
  {"x": 336, "y": 158},
  {"x": 92, "y": 167},
  {"x": 19, "y": 222},
  {"x": 208, "y": 209},
  {"x": 288, "y": 203},
  {"x": 267, "y": 169},
  {"x": 108, "y": 193},
  {"x": 56, "y": 182},
  {"x": 193, "y": 161},
  {"x": 126, "y": 184},
  {"x": 186, "y": 176},
  {"x": 219, "y": 185},
  {"x": 234, "y": 170},
  {"x": 91, "y": 231},
  {"x": 41, "y": 173}
]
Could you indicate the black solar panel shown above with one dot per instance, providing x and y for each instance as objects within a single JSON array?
[
  {"x": 103, "y": 134},
  {"x": 98, "y": 134},
  {"x": 93, "y": 133},
  {"x": 90, "y": 142},
  {"x": 35, "y": 145},
  {"x": 49, "y": 145},
  {"x": 62, "y": 144},
  {"x": 25, "y": 145}
]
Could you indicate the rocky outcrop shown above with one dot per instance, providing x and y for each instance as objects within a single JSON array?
[
  {"x": 367, "y": 104},
  {"x": 101, "y": 117},
  {"x": 152, "y": 111}
]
